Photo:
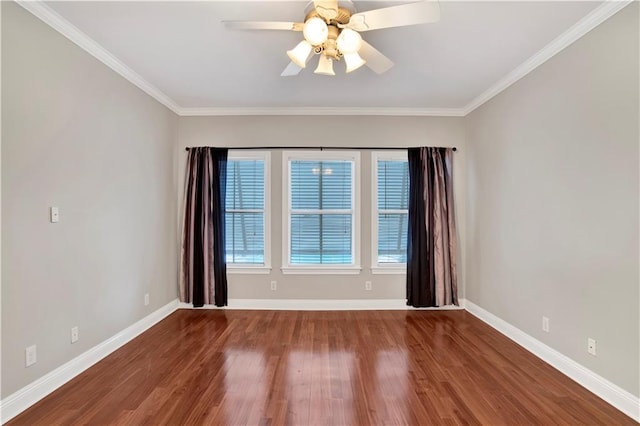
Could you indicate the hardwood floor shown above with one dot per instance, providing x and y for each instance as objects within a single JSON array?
[{"x": 333, "y": 368}]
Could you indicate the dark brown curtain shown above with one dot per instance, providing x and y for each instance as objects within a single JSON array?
[
  {"x": 203, "y": 272},
  {"x": 431, "y": 244}
]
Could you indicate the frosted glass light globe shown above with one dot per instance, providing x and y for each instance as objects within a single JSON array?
[
  {"x": 325, "y": 66},
  {"x": 300, "y": 53},
  {"x": 353, "y": 61},
  {"x": 349, "y": 41},
  {"x": 315, "y": 31}
]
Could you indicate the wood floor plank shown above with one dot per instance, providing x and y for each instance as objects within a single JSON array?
[{"x": 223, "y": 367}]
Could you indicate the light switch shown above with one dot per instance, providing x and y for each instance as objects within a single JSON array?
[{"x": 55, "y": 215}]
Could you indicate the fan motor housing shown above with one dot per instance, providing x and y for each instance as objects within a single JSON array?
[
  {"x": 331, "y": 45},
  {"x": 342, "y": 17}
]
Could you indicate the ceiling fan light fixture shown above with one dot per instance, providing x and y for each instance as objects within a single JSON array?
[
  {"x": 325, "y": 66},
  {"x": 353, "y": 61},
  {"x": 315, "y": 31},
  {"x": 300, "y": 53},
  {"x": 349, "y": 41}
]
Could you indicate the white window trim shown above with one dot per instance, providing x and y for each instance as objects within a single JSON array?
[
  {"x": 382, "y": 268},
  {"x": 320, "y": 270},
  {"x": 239, "y": 268},
  {"x": 287, "y": 268}
]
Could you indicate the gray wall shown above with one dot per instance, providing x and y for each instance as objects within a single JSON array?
[
  {"x": 552, "y": 208},
  {"x": 78, "y": 136},
  {"x": 547, "y": 185},
  {"x": 325, "y": 131}
]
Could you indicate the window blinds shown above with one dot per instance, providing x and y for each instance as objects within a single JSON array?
[
  {"x": 393, "y": 204},
  {"x": 244, "y": 212},
  {"x": 321, "y": 212}
]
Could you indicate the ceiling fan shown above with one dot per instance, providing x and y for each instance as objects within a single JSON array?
[{"x": 331, "y": 30}]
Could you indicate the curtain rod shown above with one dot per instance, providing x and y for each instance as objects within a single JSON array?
[{"x": 321, "y": 148}]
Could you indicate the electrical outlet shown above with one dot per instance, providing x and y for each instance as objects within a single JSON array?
[
  {"x": 274, "y": 286},
  {"x": 30, "y": 356},
  {"x": 146, "y": 299},
  {"x": 367, "y": 285},
  {"x": 545, "y": 324},
  {"x": 74, "y": 334},
  {"x": 591, "y": 346}
]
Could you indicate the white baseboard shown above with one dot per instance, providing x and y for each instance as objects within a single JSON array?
[
  {"x": 319, "y": 305},
  {"x": 22, "y": 399},
  {"x": 624, "y": 401}
]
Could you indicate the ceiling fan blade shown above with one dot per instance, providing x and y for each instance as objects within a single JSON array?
[
  {"x": 291, "y": 70},
  {"x": 263, "y": 25},
  {"x": 422, "y": 12},
  {"x": 294, "y": 69},
  {"x": 328, "y": 9},
  {"x": 375, "y": 60}
]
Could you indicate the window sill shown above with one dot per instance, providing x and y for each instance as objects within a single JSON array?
[
  {"x": 314, "y": 270},
  {"x": 389, "y": 270},
  {"x": 248, "y": 269}
]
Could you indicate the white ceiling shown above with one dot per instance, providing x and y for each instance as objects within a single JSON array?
[{"x": 182, "y": 51}]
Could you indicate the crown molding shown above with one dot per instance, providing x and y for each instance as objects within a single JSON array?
[
  {"x": 388, "y": 111},
  {"x": 582, "y": 27},
  {"x": 39, "y": 9},
  {"x": 64, "y": 27}
]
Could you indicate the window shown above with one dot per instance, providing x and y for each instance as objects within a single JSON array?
[
  {"x": 390, "y": 206},
  {"x": 246, "y": 214},
  {"x": 321, "y": 205}
]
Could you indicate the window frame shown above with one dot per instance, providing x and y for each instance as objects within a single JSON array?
[
  {"x": 320, "y": 155},
  {"x": 382, "y": 268},
  {"x": 246, "y": 268}
]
